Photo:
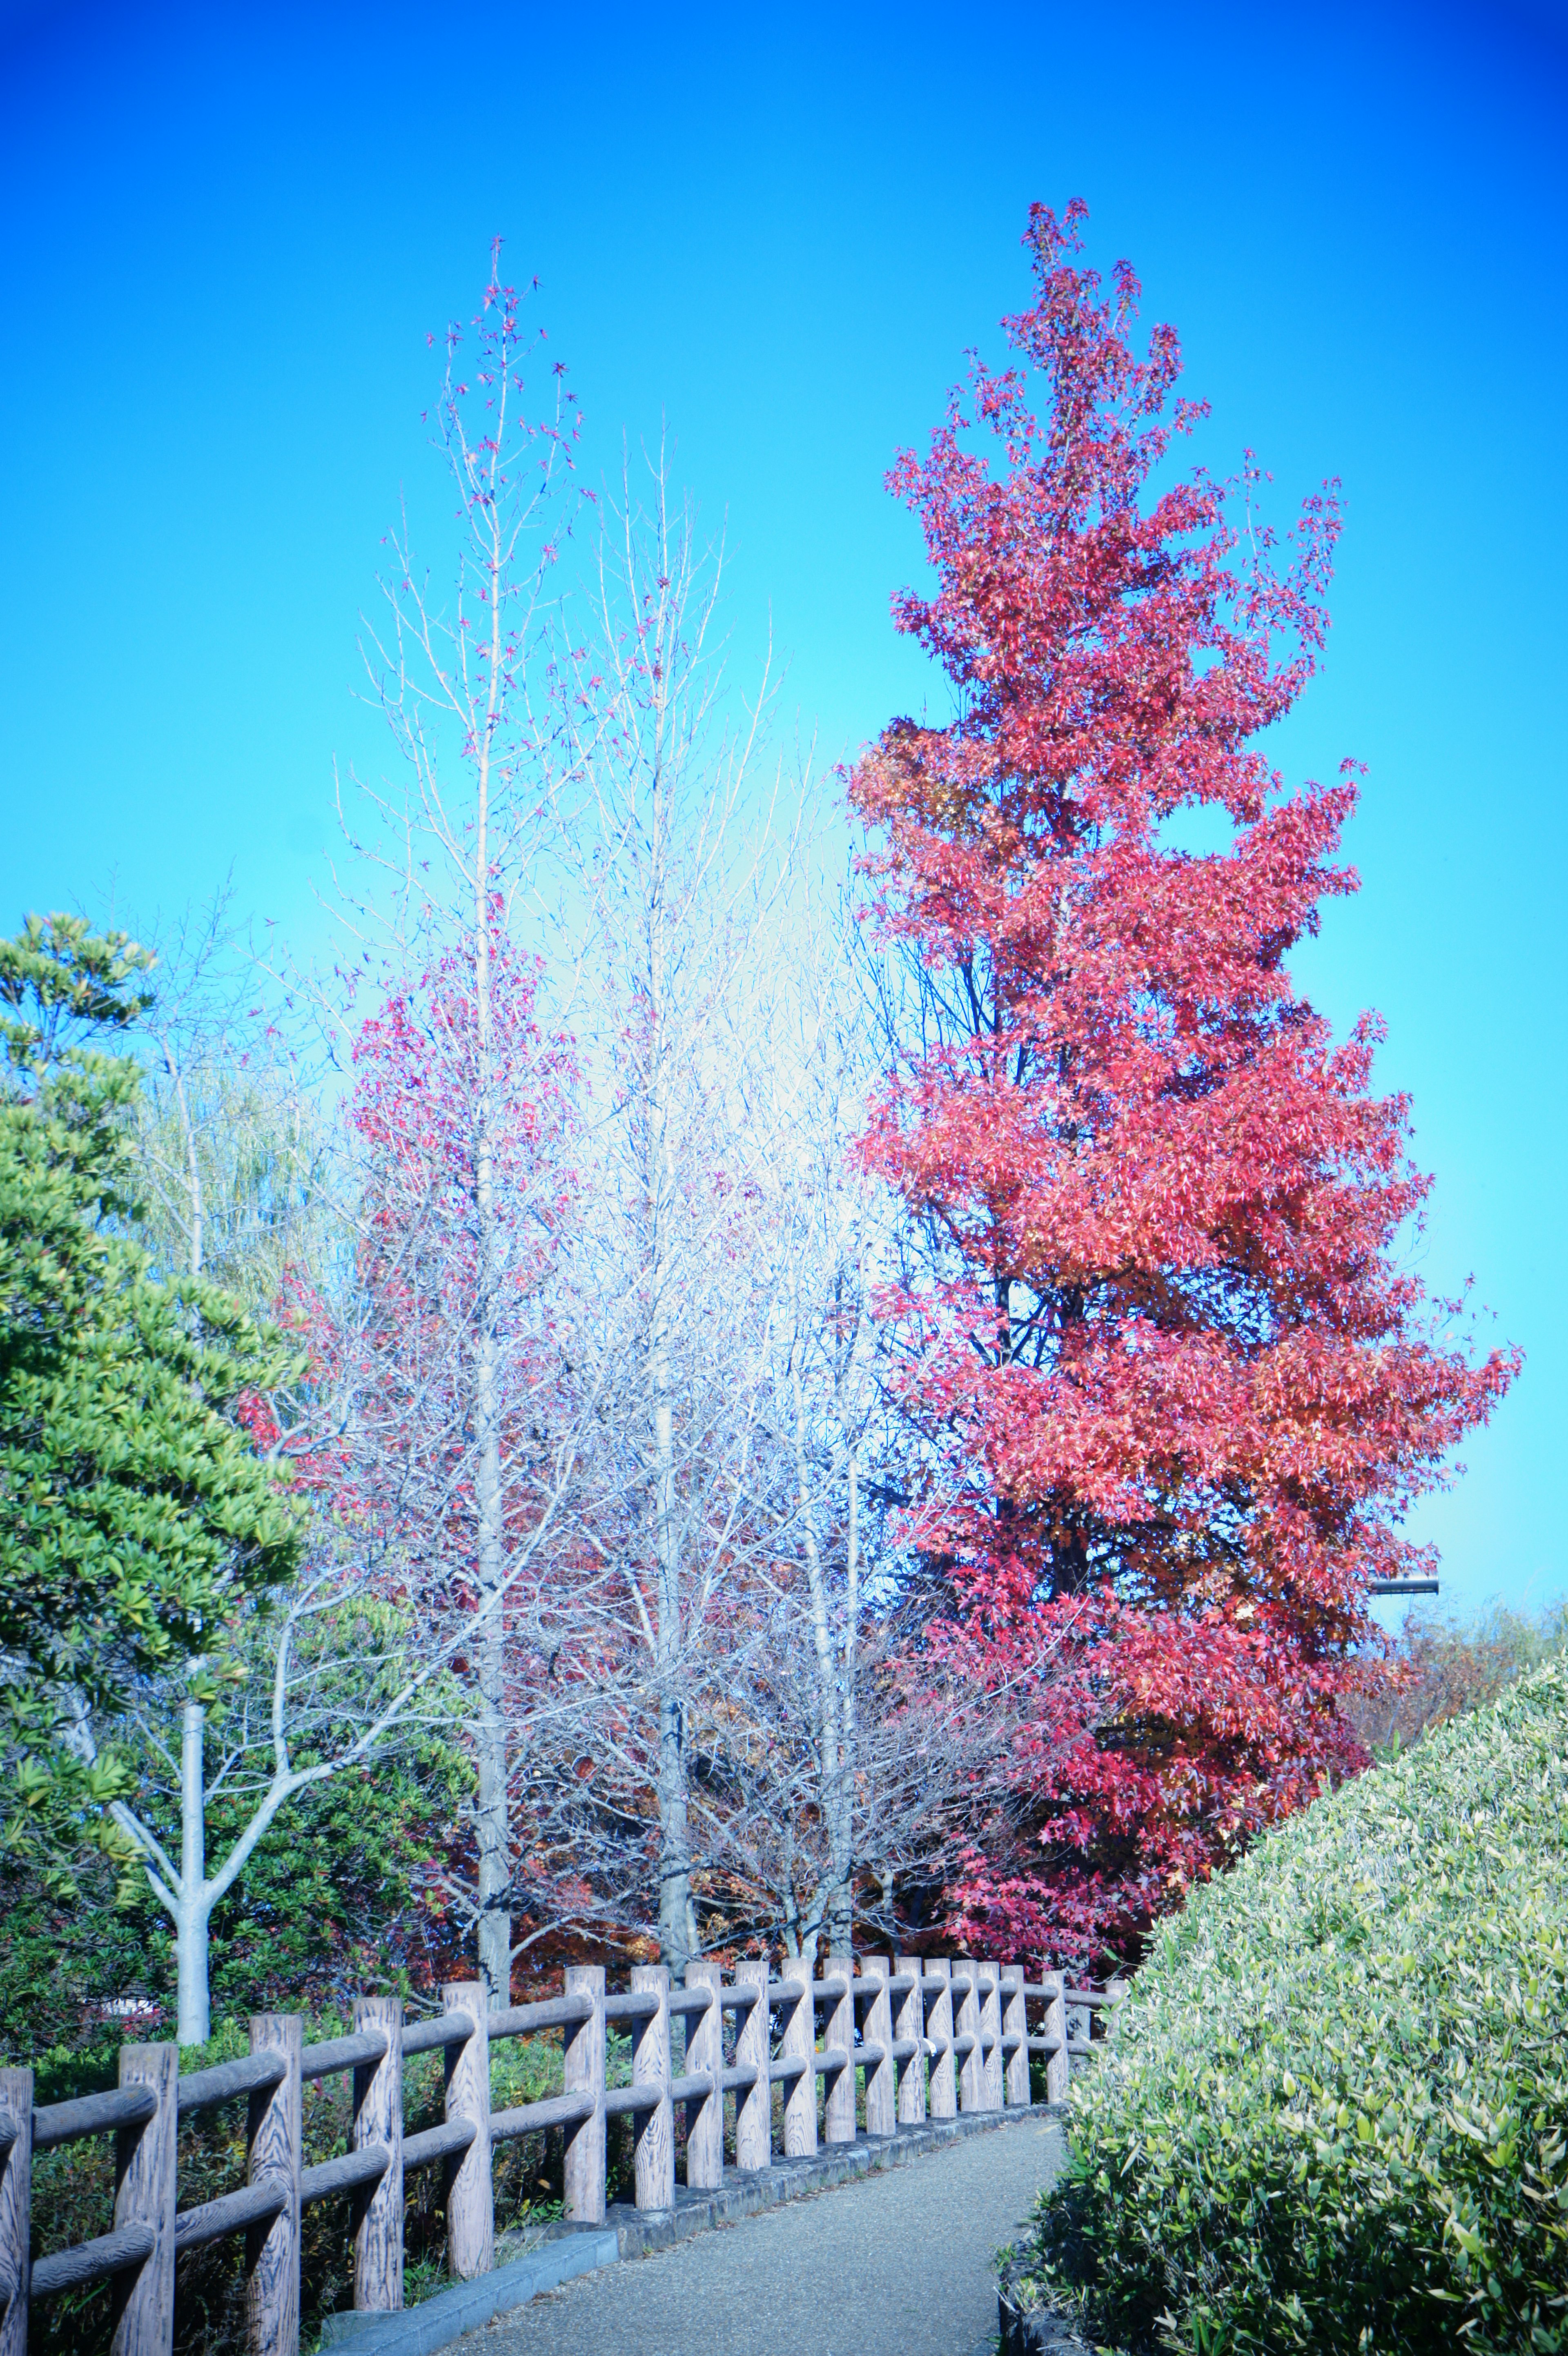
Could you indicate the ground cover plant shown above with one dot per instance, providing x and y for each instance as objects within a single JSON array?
[{"x": 1336, "y": 2116}]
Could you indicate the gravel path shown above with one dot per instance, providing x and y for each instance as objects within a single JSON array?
[{"x": 898, "y": 2263}]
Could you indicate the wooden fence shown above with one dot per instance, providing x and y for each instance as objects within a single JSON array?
[{"x": 932, "y": 2036}]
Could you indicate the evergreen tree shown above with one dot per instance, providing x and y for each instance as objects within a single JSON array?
[{"x": 136, "y": 1513}]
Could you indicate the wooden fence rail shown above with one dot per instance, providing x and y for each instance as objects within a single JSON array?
[{"x": 933, "y": 2036}]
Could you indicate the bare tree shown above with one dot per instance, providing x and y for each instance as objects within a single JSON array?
[
  {"x": 354, "y": 1223},
  {"x": 226, "y": 1151},
  {"x": 801, "y": 1841},
  {"x": 837, "y": 1750},
  {"x": 831, "y": 1225},
  {"x": 830, "y": 1756},
  {"x": 233, "y": 1148},
  {"x": 441, "y": 1052},
  {"x": 678, "y": 867},
  {"x": 325, "y": 1683}
]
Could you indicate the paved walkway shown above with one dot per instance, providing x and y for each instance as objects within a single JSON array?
[{"x": 898, "y": 2263}]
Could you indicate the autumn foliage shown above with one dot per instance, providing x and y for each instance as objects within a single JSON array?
[
  {"x": 802, "y": 1441},
  {"x": 1173, "y": 1385}
]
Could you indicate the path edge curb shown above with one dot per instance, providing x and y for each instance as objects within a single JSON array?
[{"x": 464, "y": 2307}]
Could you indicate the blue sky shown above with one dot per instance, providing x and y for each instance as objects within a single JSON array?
[{"x": 228, "y": 232}]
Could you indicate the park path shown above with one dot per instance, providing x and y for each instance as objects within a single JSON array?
[{"x": 897, "y": 2263}]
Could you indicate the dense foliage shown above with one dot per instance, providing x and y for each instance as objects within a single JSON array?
[
  {"x": 134, "y": 1508},
  {"x": 336, "y": 1907},
  {"x": 1337, "y": 2117},
  {"x": 1172, "y": 1382}
]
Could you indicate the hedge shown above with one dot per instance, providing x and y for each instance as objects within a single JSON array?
[{"x": 1336, "y": 2114}]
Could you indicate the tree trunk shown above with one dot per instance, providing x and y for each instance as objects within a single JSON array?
[
  {"x": 193, "y": 1914},
  {"x": 494, "y": 1819},
  {"x": 678, "y": 1940},
  {"x": 841, "y": 1908},
  {"x": 494, "y": 1827},
  {"x": 834, "y": 1697}
]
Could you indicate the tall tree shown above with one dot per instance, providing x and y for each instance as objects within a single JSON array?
[
  {"x": 436, "y": 897},
  {"x": 137, "y": 1514},
  {"x": 1176, "y": 1386},
  {"x": 411, "y": 1454},
  {"x": 680, "y": 885}
]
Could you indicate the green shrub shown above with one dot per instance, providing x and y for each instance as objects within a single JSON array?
[
  {"x": 329, "y": 1907},
  {"x": 1335, "y": 2115},
  {"x": 73, "y": 2193}
]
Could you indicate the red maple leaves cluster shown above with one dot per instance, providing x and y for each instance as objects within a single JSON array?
[
  {"x": 383, "y": 1410},
  {"x": 1173, "y": 1387}
]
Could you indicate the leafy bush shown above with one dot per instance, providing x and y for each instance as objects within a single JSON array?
[
  {"x": 1335, "y": 2117},
  {"x": 330, "y": 1906}
]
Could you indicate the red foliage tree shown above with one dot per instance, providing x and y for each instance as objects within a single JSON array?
[{"x": 1174, "y": 1389}]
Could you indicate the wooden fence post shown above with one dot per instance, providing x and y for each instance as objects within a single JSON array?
[
  {"x": 1117, "y": 1990},
  {"x": 1058, "y": 2067},
  {"x": 377, "y": 2207},
  {"x": 754, "y": 2104},
  {"x": 799, "y": 2043},
  {"x": 1014, "y": 2023},
  {"x": 584, "y": 2074},
  {"x": 944, "y": 2082},
  {"x": 705, "y": 2113},
  {"x": 910, "y": 2023},
  {"x": 15, "y": 2206},
  {"x": 653, "y": 2133},
  {"x": 970, "y": 2088},
  {"x": 470, "y": 2202},
  {"x": 273, "y": 2117},
  {"x": 838, "y": 2107},
  {"x": 881, "y": 2079},
  {"x": 991, "y": 2074},
  {"x": 145, "y": 2164}
]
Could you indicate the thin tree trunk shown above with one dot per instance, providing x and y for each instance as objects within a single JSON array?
[
  {"x": 494, "y": 1824},
  {"x": 678, "y": 1939},
  {"x": 494, "y": 1827},
  {"x": 841, "y": 1908},
  {"x": 493, "y": 1814},
  {"x": 837, "y": 1798},
  {"x": 193, "y": 1914}
]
